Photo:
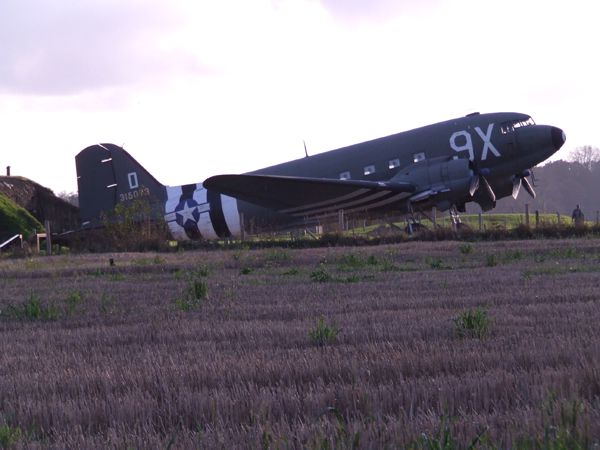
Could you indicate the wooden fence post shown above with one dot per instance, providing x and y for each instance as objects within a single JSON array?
[
  {"x": 537, "y": 218},
  {"x": 48, "y": 238},
  {"x": 242, "y": 232}
]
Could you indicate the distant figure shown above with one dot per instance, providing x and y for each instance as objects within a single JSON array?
[{"x": 577, "y": 216}]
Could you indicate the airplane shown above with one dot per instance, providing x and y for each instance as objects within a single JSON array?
[{"x": 476, "y": 158}]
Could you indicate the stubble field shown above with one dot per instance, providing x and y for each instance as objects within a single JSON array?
[{"x": 366, "y": 347}]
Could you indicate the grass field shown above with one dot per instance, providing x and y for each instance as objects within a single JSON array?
[{"x": 414, "y": 345}]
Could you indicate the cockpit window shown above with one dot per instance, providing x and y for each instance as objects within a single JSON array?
[{"x": 507, "y": 127}]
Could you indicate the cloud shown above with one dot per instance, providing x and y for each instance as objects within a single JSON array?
[
  {"x": 379, "y": 10},
  {"x": 64, "y": 47}
]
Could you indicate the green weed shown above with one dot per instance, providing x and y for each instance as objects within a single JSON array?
[
  {"x": 444, "y": 440},
  {"x": 323, "y": 334},
  {"x": 353, "y": 262},
  {"x": 564, "y": 435},
  {"x": 491, "y": 260},
  {"x": 466, "y": 249},
  {"x": 436, "y": 263},
  {"x": 193, "y": 296},
  {"x": 277, "y": 255},
  {"x": 343, "y": 438},
  {"x": 352, "y": 279},
  {"x": 32, "y": 309},
  {"x": 564, "y": 253},
  {"x": 388, "y": 266},
  {"x": 73, "y": 301},
  {"x": 320, "y": 275},
  {"x": 106, "y": 304},
  {"x": 157, "y": 260},
  {"x": 472, "y": 323},
  {"x": 202, "y": 271},
  {"x": 116, "y": 276},
  {"x": 513, "y": 255},
  {"x": 9, "y": 436}
]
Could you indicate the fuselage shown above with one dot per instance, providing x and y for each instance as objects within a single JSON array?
[{"x": 500, "y": 145}]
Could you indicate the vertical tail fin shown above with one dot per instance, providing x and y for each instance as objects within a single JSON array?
[{"x": 108, "y": 175}]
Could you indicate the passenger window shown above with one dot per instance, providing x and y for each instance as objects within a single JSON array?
[
  {"x": 345, "y": 176},
  {"x": 369, "y": 170},
  {"x": 394, "y": 163},
  {"x": 418, "y": 157}
]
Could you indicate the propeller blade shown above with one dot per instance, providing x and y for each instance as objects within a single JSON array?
[
  {"x": 528, "y": 187},
  {"x": 474, "y": 185},
  {"x": 488, "y": 188},
  {"x": 516, "y": 186}
]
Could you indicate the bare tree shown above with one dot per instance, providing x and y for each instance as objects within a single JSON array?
[
  {"x": 586, "y": 156},
  {"x": 70, "y": 197}
]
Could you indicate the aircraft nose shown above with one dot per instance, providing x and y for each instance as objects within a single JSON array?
[{"x": 558, "y": 137}]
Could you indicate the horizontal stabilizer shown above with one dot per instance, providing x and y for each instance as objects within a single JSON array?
[{"x": 300, "y": 196}]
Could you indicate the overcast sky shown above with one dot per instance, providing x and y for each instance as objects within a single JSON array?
[{"x": 194, "y": 88}]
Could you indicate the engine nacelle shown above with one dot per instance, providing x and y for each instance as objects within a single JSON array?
[
  {"x": 440, "y": 181},
  {"x": 192, "y": 212}
]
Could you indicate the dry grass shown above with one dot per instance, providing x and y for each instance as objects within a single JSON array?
[{"x": 121, "y": 363}]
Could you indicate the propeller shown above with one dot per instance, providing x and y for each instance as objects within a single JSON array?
[
  {"x": 521, "y": 179},
  {"x": 478, "y": 179}
]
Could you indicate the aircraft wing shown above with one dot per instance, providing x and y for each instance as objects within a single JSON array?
[{"x": 300, "y": 196}]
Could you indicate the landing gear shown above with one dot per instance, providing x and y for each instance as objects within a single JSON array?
[
  {"x": 413, "y": 224},
  {"x": 457, "y": 224}
]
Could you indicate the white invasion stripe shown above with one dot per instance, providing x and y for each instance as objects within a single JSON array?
[
  {"x": 232, "y": 215},
  {"x": 339, "y": 206},
  {"x": 173, "y": 196},
  {"x": 206, "y": 227},
  {"x": 387, "y": 201},
  {"x": 326, "y": 202}
]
